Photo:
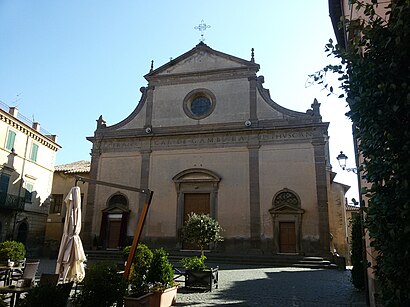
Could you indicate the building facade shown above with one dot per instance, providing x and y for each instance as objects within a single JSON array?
[
  {"x": 64, "y": 178},
  {"x": 207, "y": 137},
  {"x": 340, "y": 11},
  {"x": 27, "y": 156}
]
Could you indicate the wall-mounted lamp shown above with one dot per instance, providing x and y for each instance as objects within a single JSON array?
[{"x": 341, "y": 158}]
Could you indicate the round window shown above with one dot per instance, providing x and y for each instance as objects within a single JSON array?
[
  {"x": 199, "y": 103},
  {"x": 200, "y": 106}
]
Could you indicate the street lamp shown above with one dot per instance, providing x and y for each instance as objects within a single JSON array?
[{"x": 341, "y": 158}]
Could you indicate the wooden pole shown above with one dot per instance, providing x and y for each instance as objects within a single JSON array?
[
  {"x": 148, "y": 197},
  {"x": 137, "y": 234}
]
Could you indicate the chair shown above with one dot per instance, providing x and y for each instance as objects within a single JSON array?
[
  {"x": 65, "y": 290},
  {"x": 29, "y": 271},
  {"x": 49, "y": 279},
  {"x": 3, "y": 277}
]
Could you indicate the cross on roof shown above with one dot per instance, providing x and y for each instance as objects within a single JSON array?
[{"x": 201, "y": 28}]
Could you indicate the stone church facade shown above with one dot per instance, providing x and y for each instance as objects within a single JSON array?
[{"x": 207, "y": 137}]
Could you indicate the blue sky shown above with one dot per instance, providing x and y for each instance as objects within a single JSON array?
[{"x": 65, "y": 63}]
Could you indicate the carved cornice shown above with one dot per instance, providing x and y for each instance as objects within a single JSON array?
[{"x": 18, "y": 125}]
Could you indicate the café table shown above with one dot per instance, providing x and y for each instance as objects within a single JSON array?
[{"x": 15, "y": 292}]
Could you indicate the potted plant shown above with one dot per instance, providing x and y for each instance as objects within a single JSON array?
[
  {"x": 161, "y": 280},
  {"x": 198, "y": 275},
  {"x": 151, "y": 279},
  {"x": 138, "y": 292},
  {"x": 202, "y": 230},
  {"x": 12, "y": 251},
  {"x": 102, "y": 286}
]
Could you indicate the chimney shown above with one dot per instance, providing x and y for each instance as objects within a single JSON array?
[
  {"x": 36, "y": 126},
  {"x": 13, "y": 111},
  {"x": 52, "y": 137}
]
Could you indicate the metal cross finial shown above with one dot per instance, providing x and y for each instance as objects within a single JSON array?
[{"x": 201, "y": 28}]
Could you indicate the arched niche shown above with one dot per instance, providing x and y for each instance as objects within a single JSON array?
[{"x": 114, "y": 222}]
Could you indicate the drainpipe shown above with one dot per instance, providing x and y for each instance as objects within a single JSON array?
[{"x": 20, "y": 186}]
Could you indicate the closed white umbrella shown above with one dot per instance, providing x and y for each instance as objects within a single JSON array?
[{"x": 71, "y": 256}]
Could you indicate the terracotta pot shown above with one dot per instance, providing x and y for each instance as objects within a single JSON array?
[
  {"x": 164, "y": 298},
  {"x": 142, "y": 301}
]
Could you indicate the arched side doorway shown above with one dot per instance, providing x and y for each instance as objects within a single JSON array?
[
  {"x": 22, "y": 232},
  {"x": 114, "y": 222},
  {"x": 197, "y": 191},
  {"x": 287, "y": 222}
]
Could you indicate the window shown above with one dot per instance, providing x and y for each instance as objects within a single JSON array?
[
  {"x": 29, "y": 192},
  {"x": 33, "y": 153},
  {"x": 56, "y": 203},
  {"x": 286, "y": 197},
  {"x": 11, "y": 136},
  {"x": 4, "y": 183},
  {"x": 199, "y": 103}
]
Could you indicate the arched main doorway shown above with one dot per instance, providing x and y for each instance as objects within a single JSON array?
[{"x": 197, "y": 191}]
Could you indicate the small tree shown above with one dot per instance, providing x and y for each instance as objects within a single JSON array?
[{"x": 201, "y": 229}]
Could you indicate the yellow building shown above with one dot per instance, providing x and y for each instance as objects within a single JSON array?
[
  {"x": 27, "y": 155},
  {"x": 63, "y": 181}
]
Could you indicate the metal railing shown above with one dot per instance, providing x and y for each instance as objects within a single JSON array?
[
  {"x": 11, "y": 202},
  {"x": 23, "y": 119}
]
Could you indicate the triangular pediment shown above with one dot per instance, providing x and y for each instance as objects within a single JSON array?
[
  {"x": 115, "y": 209},
  {"x": 196, "y": 175},
  {"x": 286, "y": 209},
  {"x": 200, "y": 59}
]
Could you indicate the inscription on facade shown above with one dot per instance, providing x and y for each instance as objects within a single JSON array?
[
  {"x": 285, "y": 135},
  {"x": 205, "y": 141},
  {"x": 210, "y": 140}
]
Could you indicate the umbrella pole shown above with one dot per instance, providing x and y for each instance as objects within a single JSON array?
[{"x": 137, "y": 234}]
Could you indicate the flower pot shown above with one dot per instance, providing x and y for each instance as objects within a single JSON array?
[
  {"x": 142, "y": 301},
  {"x": 164, "y": 298},
  {"x": 202, "y": 279}
]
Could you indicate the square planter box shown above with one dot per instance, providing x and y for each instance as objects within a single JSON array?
[
  {"x": 164, "y": 298},
  {"x": 202, "y": 279}
]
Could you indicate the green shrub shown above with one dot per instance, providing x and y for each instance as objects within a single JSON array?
[
  {"x": 12, "y": 250},
  {"x": 44, "y": 295},
  {"x": 102, "y": 286},
  {"x": 161, "y": 272},
  {"x": 196, "y": 263},
  {"x": 139, "y": 269}
]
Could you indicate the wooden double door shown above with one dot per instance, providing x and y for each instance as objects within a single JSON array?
[
  {"x": 195, "y": 203},
  {"x": 287, "y": 237}
]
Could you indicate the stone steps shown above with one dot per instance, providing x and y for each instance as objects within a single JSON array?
[{"x": 221, "y": 258}]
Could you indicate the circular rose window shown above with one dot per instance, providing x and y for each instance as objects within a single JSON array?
[{"x": 199, "y": 103}]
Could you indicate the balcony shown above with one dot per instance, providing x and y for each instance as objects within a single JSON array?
[{"x": 11, "y": 202}]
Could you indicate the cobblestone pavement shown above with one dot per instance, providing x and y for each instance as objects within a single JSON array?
[
  {"x": 247, "y": 285},
  {"x": 256, "y": 286}
]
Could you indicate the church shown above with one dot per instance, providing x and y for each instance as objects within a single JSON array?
[{"x": 206, "y": 136}]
